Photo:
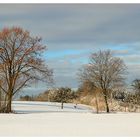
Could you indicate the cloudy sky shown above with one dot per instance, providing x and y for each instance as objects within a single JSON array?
[{"x": 73, "y": 31}]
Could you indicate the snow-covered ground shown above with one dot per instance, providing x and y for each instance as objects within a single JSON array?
[
  {"x": 47, "y": 119},
  {"x": 46, "y": 107}
]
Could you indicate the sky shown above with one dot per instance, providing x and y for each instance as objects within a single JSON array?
[{"x": 73, "y": 31}]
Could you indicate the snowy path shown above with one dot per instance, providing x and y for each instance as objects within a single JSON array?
[{"x": 36, "y": 121}]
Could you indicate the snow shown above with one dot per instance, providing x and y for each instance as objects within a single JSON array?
[
  {"x": 47, "y": 119},
  {"x": 45, "y": 107}
]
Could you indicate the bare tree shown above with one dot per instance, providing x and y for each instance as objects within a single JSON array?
[
  {"x": 136, "y": 85},
  {"x": 105, "y": 72},
  {"x": 20, "y": 62},
  {"x": 133, "y": 98}
]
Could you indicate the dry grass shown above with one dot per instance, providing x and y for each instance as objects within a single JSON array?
[{"x": 114, "y": 105}]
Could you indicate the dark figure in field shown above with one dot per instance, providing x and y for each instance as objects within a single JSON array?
[{"x": 75, "y": 106}]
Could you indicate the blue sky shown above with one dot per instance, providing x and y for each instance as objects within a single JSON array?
[{"x": 73, "y": 31}]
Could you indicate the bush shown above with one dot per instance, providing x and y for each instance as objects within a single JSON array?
[{"x": 26, "y": 98}]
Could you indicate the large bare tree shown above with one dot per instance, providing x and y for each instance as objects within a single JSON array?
[
  {"x": 105, "y": 72},
  {"x": 20, "y": 62}
]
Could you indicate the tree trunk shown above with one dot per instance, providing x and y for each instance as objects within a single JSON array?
[
  {"x": 0, "y": 100},
  {"x": 9, "y": 104},
  {"x": 9, "y": 108},
  {"x": 97, "y": 107},
  {"x": 106, "y": 103},
  {"x": 61, "y": 105}
]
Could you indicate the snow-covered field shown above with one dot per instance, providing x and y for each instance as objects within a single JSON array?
[{"x": 47, "y": 119}]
